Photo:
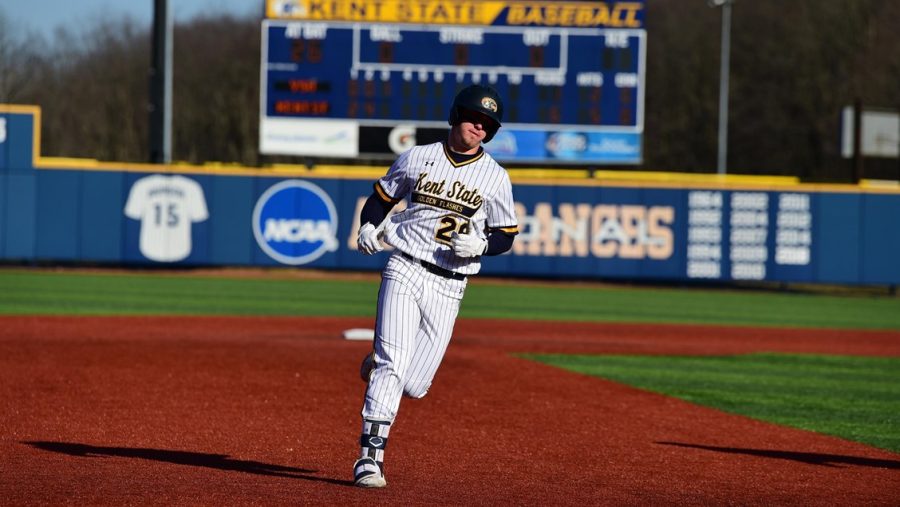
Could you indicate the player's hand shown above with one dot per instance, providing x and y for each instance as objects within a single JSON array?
[
  {"x": 467, "y": 245},
  {"x": 369, "y": 240}
]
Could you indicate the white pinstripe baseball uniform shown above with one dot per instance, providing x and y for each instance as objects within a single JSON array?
[
  {"x": 417, "y": 307},
  {"x": 459, "y": 206}
]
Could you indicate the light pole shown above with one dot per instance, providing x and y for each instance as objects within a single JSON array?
[
  {"x": 724, "y": 63},
  {"x": 160, "y": 104}
]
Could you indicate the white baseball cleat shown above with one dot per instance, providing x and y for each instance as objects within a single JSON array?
[{"x": 367, "y": 473}]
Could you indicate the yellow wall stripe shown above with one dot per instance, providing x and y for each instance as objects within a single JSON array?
[{"x": 540, "y": 176}]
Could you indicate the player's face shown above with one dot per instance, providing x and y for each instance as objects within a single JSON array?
[{"x": 471, "y": 130}]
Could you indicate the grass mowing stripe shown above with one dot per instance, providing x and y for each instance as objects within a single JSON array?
[
  {"x": 856, "y": 398},
  {"x": 142, "y": 294},
  {"x": 697, "y": 306},
  {"x": 41, "y": 292}
]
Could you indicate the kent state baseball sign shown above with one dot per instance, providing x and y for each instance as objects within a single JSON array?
[{"x": 295, "y": 222}]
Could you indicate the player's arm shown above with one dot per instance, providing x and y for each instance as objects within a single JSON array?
[
  {"x": 500, "y": 240},
  {"x": 501, "y": 211},
  {"x": 377, "y": 207},
  {"x": 381, "y": 202},
  {"x": 373, "y": 213}
]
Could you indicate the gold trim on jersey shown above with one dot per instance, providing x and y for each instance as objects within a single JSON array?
[
  {"x": 384, "y": 195},
  {"x": 466, "y": 162},
  {"x": 511, "y": 230}
]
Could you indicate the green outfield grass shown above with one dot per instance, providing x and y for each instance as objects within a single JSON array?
[
  {"x": 73, "y": 293},
  {"x": 856, "y": 398}
]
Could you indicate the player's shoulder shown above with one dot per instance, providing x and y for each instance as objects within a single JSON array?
[{"x": 490, "y": 163}]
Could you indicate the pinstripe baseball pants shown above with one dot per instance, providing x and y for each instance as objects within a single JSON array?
[{"x": 416, "y": 313}]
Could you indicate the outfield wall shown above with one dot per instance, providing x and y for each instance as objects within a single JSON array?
[{"x": 665, "y": 227}]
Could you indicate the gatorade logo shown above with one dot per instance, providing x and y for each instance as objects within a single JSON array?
[{"x": 295, "y": 222}]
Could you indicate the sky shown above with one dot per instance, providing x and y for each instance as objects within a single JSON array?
[{"x": 45, "y": 16}]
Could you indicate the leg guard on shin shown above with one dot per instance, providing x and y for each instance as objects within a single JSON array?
[
  {"x": 373, "y": 439},
  {"x": 368, "y": 471}
]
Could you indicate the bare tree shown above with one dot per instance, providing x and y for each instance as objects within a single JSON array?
[
  {"x": 20, "y": 61},
  {"x": 216, "y": 90}
]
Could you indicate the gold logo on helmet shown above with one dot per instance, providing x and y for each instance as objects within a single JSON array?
[{"x": 489, "y": 103}]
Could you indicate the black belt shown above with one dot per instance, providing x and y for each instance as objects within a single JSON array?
[{"x": 446, "y": 273}]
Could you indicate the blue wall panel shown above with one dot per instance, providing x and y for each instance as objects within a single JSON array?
[
  {"x": 881, "y": 239},
  {"x": 19, "y": 140},
  {"x": 5, "y": 143},
  {"x": 102, "y": 216},
  {"x": 231, "y": 203},
  {"x": 200, "y": 228},
  {"x": 57, "y": 214},
  {"x": 838, "y": 238},
  {"x": 21, "y": 223},
  {"x": 3, "y": 225}
]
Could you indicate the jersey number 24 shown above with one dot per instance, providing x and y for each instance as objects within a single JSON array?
[{"x": 447, "y": 225}]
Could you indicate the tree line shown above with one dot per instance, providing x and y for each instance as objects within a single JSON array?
[{"x": 794, "y": 66}]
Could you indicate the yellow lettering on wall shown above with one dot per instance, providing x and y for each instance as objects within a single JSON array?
[
  {"x": 544, "y": 243},
  {"x": 633, "y": 221},
  {"x": 664, "y": 242},
  {"x": 515, "y": 14},
  {"x": 468, "y": 12},
  {"x": 601, "y": 18},
  {"x": 600, "y": 245},
  {"x": 573, "y": 229},
  {"x": 603, "y": 231},
  {"x": 595, "y": 14},
  {"x": 465, "y": 12},
  {"x": 625, "y": 14}
]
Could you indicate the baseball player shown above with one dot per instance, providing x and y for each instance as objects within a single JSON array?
[{"x": 460, "y": 207}]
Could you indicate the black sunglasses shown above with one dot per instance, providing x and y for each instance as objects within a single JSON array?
[{"x": 475, "y": 117}]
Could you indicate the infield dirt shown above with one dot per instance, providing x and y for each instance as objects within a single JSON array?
[{"x": 265, "y": 411}]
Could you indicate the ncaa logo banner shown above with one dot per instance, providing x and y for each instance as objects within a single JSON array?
[{"x": 295, "y": 222}]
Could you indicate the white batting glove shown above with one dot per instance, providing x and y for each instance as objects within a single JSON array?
[
  {"x": 369, "y": 240},
  {"x": 467, "y": 245}
]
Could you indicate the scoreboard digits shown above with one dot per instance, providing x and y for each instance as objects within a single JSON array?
[{"x": 581, "y": 87}]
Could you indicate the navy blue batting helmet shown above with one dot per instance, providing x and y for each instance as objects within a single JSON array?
[{"x": 481, "y": 99}]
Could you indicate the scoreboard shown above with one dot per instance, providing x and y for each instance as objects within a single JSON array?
[{"x": 341, "y": 79}]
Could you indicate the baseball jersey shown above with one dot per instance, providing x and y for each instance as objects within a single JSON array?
[
  {"x": 445, "y": 197},
  {"x": 166, "y": 207}
]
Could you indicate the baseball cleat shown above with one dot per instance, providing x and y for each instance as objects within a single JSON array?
[{"x": 368, "y": 473}]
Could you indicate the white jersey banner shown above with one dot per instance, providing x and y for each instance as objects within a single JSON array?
[{"x": 167, "y": 206}]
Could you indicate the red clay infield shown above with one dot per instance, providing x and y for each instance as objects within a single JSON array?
[{"x": 265, "y": 411}]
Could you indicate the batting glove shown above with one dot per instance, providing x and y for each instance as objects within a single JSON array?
[
  {"x": 467, "y": 245},
  {"x": 369, "y": 240}
]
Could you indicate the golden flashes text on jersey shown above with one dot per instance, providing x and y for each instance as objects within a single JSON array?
[{"x": 457, "y": 191}]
